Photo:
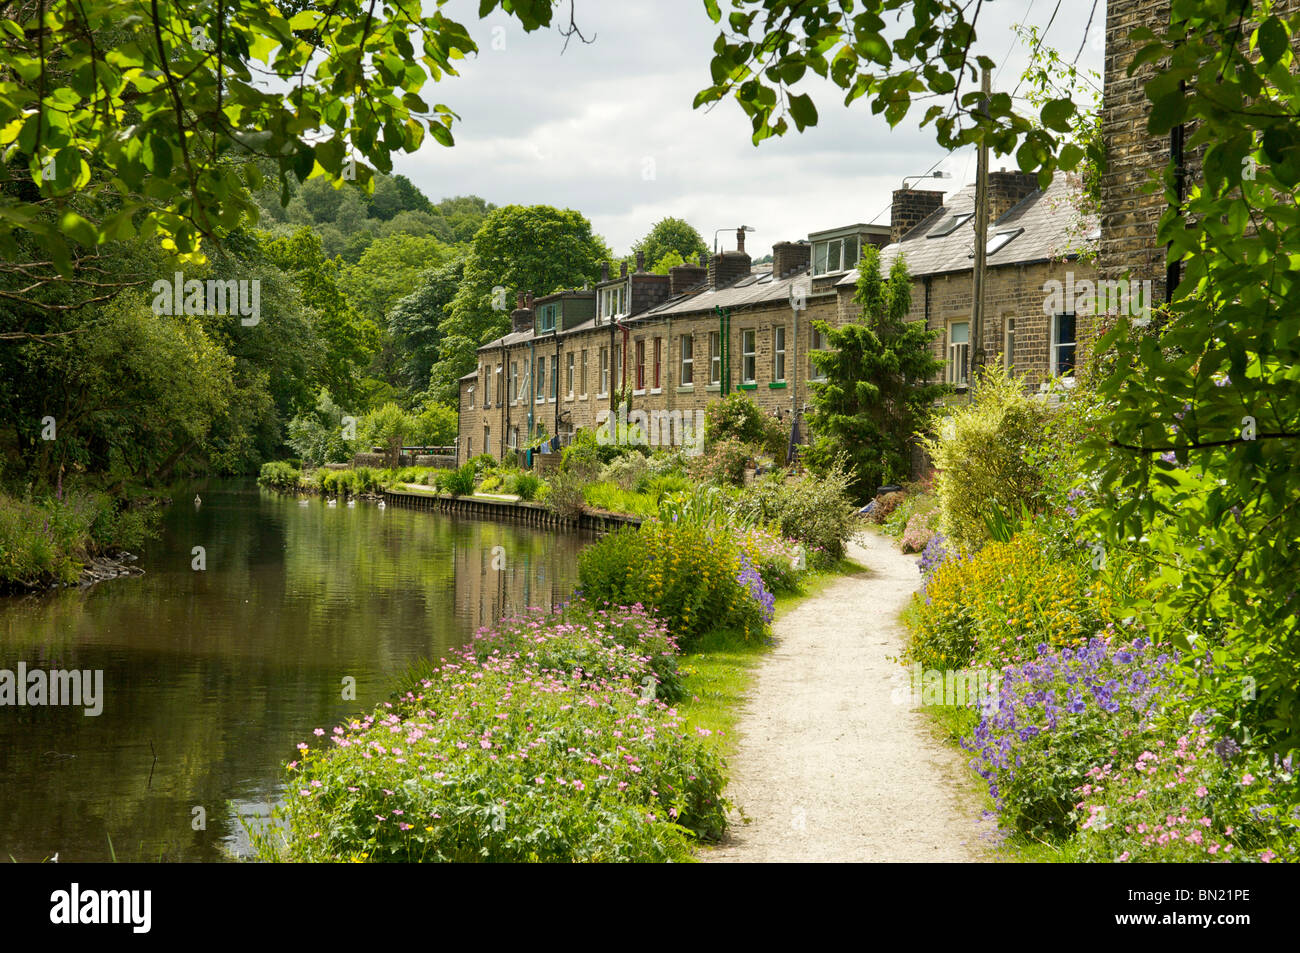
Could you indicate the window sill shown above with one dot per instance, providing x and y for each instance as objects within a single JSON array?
[
  {"x": 750, "y": 386},
  {"x": 656, "y": 390},
  {"x": 776, "y": 385},
  {"x": 685, "y": 388},
  {"x": 639, "y": 393},
  {"x": 714, "y": 388},
  {"x": 582, "y": 397}
]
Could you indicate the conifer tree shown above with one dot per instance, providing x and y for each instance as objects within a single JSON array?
[{"x": 879, "y": 374}]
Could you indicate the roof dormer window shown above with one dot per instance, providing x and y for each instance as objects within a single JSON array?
[{"x": 950, "y": 224}]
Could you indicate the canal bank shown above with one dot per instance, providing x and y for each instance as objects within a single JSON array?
[{"x": 217, "y": 672}]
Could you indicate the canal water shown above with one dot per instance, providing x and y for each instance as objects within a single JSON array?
[{"x": 212, "y": 676}]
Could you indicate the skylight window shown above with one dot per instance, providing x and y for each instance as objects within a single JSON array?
[
  {"x": 950, "y": 224},
  {"x": 999, "y": 241}
]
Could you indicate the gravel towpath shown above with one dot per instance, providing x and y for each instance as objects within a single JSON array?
[{"x": 832, "y": 763}]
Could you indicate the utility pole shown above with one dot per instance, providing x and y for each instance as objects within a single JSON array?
[{"x": 981, "y": 238}]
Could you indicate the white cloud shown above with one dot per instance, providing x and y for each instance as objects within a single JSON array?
[{"x": 584, "y": 129}]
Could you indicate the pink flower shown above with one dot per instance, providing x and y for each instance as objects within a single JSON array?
[{"x": 1248, "y": 779}]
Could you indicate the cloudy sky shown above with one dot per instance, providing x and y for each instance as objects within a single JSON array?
[{"x": 607, "y": 128}]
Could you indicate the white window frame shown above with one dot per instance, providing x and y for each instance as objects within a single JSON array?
[
  {"x": 583, "y": 372},
  {"x": 613, "y": 302},
  {"x": 1009, "y": 341},
  {"x": 687, "y": 373},
  {"x": 604, "y": 373},
  {"x": 957, "y": 353},
  {"x": 568, "y": 373},
  {"x": 749, "y": 356},
  {"x": 539, "y": 391},
  {"x": 822, "y": 254},
  {"x": 715, "y": 357},
  {"x": 778, "y": 353}
]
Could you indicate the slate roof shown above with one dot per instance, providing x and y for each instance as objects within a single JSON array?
[
  {"x": 1048, "y": 222},
  {"x": 753, "y": 289},
  {"x": 1049, "y": 218}
]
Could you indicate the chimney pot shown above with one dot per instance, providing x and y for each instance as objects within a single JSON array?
[
  {"x": 604, "y": 271},
  {"x": 740, "y": 239},
  {"x": 622, "y": 269},
  {"x": 640, "y": 262}
]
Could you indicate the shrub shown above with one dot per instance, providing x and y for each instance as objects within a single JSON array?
[
  {"x": 1187, "y": 799},
  {"x": 565, "y": 498},
  {"x": 1010, "y": 596},
  {"x": 688, "y": 573},
  {"x": 781, "y": 562},
  {"x": 722, "y": 464},
  {"x": 280, "y": 476},
  {"x": 626, "y": 471},
  {"x": 987, "y": 456},
  {"x": 736, "y": 417},
  {"x": 1057, "y": 716},
  {"x": 483, "y": 463},
  {"x": 541, "y": 741},
  {"x": 460, "y": 482},
  {"x": 817, "y": 511},
  {"x": 524, "y": 485},
  {"x": 918, "y": 533}
]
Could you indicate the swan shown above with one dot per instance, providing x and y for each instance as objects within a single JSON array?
[
  {"x": 197, "y": 501},
  {"x": 383, "y": 505},
  {"x": 303, "y": 501},
  {"x": 332, "y": 503},
  {"x": 352, "y": 502}
]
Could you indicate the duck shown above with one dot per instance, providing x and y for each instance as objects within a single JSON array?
[
  {"x": 352, "y": 503},
  {"x": 303, "y": 501},
  {"x": 383, "y": 505},
  {"x": 332, "y": 503},
  {"x": 197, "y": 501}
]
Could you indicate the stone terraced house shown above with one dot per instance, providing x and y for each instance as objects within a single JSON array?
[{"x": 667, "y": 345}]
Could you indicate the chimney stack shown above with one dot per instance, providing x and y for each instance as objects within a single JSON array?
[
  {"x": 740, "y": 240},
  {"x": 640, "y": 262},
  {"x": 910, "y": 207},
  {"x": 704, "y": 260},
  {"x": 728, "y": 267},
  {"x": 622, "y": 269},
  {"x": 604, "y": 271},
  {"x": 681, "y": 277},
  {"x": 1006, "y": 189},
  {"x": 790, "y": 257},
  {"x": 521, "y": 319}
]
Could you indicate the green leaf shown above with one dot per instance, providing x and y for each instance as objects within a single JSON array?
[
  {"x": 1273, "y": 41},
  {"x": 803, "y": 111},
  {"x": 78, "y": 228}
]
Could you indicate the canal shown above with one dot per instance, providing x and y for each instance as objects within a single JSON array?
[{"x": 213, "y": 675}]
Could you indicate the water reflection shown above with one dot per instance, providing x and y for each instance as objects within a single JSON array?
[{"x": 211, "y": 677}]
